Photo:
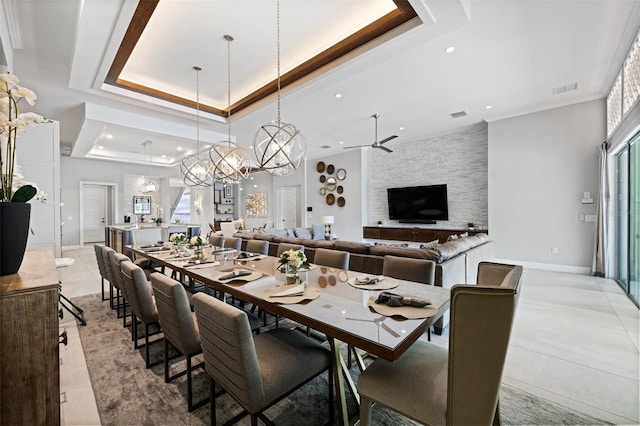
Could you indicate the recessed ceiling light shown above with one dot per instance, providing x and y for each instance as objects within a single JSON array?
[
  {"x": 109, "y": 136},
  {"x": 450, "y": 49},
  {"x": 164, "y": 156},
  {"x": 250, "y": 177},
  {"x": 255, "y": 186},
  {"x": 401, "y": 127},
  {"x": 341, "y": 142},
  {"x": 338, "y": 95},
  {"x": 100, "y": 147},
  {"x": 488, "y": 107},
  {"x": 179, "y": 148}
]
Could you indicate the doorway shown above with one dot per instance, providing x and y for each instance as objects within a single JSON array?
[
  {"x": 97, "y": 209},
  {"x": 288, "y": 207}
]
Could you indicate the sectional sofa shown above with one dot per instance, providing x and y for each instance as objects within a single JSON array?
[{"x": 456, "y": 260}]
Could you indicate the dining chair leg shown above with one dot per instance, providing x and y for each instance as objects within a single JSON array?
[
  {"x": 166, "y": 360},
  {"x": 212, "y": 391},
  {"x": 102, "y": 283}
]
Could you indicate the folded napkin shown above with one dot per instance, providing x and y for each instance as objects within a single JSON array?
[
  {"x": 296, "y": 290},
  {"x": 397, "y": 300},
  {"x": 201, "y": 262},
  {"x": 369, "y": 280},
  {"x": 235, "y": 274},
  {"x": 246, "y": 255},
  {"x": 222, "y": 250}
]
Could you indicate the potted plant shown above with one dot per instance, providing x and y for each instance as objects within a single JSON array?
[
  {"x": 379, "y": 223},
  {"x": 471, "y": 225},
  {"x": 15, "y": 211}
]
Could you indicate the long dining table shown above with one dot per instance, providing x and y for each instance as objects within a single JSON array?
[{"x": 340, "y": 311}]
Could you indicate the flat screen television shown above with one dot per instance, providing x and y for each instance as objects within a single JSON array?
[{"x": 418, "y": 204}]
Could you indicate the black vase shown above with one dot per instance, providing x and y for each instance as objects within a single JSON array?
[{"x": 14, "y": 230}]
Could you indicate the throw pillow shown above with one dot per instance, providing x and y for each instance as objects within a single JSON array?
[
  {"x": 392, "y": 244},
  {"x": 452, "y": 237},
  {"x": 464, "y": 235},
  {"x": 302, "y": 233},
  {"x": 318, "y": 232},
  {"x": 430, "y": 244}
]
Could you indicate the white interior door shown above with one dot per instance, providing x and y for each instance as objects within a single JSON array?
[
  {"x": 95, "y": 212},
  {"x": 288, "y": 208}
]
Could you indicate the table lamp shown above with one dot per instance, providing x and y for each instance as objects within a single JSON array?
[{"x": 327, "y": 221}]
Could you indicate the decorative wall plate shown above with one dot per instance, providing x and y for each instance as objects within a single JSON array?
[
  {"x": 341, "y": 201},
  {"x": 331, "y": 184},
  {"x": 322, "y": 178},
  {"x": 320, "y": 166},
  {"x": 340, "y": 189},
  {"x": 323, "y": 191},
  {"x": 330, "y": 169},
  {"x": 341, "y": 174},
  {"x": 331, "y": 199}
]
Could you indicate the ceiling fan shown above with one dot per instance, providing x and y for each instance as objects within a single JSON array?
[{"x": 376, "y": 143}]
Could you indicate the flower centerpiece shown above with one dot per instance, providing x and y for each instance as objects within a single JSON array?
[
  {"x": 196, "y": 243},
  {"x": 15, "y": 212},
  {"x": 178, "y": 238},
  {"x": 293, "y": 260}
]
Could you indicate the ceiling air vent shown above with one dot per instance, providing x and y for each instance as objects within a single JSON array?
[
  {"x": 65, "y": 150},
  {"x": 565, "y": 88},
  {"x": 459, "y": 114},
  {"x": 325, "y": 146}
]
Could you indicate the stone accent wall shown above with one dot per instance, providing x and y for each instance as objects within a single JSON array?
[{"x": 457, "y": 159}]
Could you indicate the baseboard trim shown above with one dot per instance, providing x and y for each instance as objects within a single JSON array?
[
  {"x": 76, "y": 247},
  {"x": 581, "y": 270}
]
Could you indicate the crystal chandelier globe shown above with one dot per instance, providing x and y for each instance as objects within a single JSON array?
[
  {"x": 279, "y": 147},
  {"x": 229, "y": 161},
  {"x": 147, "y": 184},
  {"x": 195, "y": 171}
]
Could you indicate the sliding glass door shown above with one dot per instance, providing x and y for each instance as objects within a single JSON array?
[{"x": 628, "y": 218}]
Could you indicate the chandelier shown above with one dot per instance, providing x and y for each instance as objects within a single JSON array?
[
  {"x": 279, "y": 147},
  {"x": 228, "y": 159},
  {"x": 196, "y": 172},
  {"x": 147, "y": 184}
]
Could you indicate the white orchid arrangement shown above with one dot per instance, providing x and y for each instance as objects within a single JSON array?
[
  {"x": 196, "y": 241},
  {"x": 178, "y": 238},
  {"x": 294, "y": 258},
  {"x": 12, "y": 123}
]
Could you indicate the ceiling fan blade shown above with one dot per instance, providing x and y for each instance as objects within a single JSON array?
[
  {"x": 387, "y": 139},
  {"x": 357, "y": 146},
  {"x": 384, "y": 148}
]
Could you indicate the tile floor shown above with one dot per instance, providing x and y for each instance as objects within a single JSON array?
[{"x": 575, "y": 341}]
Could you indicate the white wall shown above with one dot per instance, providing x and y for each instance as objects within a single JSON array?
[
  {"x": 74, "y": 170},
  {"x": 348, "y": 219},
  {"x": 540, "y": 165},
  {"x": 257, "y": 182}
]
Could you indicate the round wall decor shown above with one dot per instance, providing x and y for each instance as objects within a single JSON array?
[
  {"x": 323, "y": 191},
  {"x": 341, "y": 174},
  {"x": 320, "y": 166},
  {"x": 322, "y": 178},
  {"x": 331, "y": 199},
  {"x": 339, "y": 189},
  {"x": 331, "y": 183},
  {"x": 330, "y": 169},
  {"x": 341, "y": 201}
]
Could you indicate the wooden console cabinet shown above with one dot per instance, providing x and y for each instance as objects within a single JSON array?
[
  {"x": 29, "y": 371},
  {"x": 422, "y": 235}
]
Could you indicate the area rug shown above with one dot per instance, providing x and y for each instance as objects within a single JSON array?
[{"x": 129, "y": 394}]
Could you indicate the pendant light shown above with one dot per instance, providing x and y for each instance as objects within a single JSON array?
[
  {"x": 279, "y": 147},
  {"x": 228, "y": 159},
  {"x": 147, "y": 184},
  {"x": 195, "y": 172}
]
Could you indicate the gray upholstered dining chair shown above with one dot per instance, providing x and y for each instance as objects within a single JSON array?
[
  {"x": 258, "y": 246},
  {"x": 143, "y": 305},
  {"x": 232, "y": 242},
  {"x": 114, "y": 260},
  {"x": 282, "y": 247},
  {"x": 216, "y": 240},
  {"x": 107, "y": 265},
  {"x": 257, "y": 371},
  {"x": 332, "y": 258},
  {"x": 101, "y": 266},
  {"x": 180, "y": 329},
  {"x": 461, "y": 384},
  {"x": 406, "y": 268}
]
